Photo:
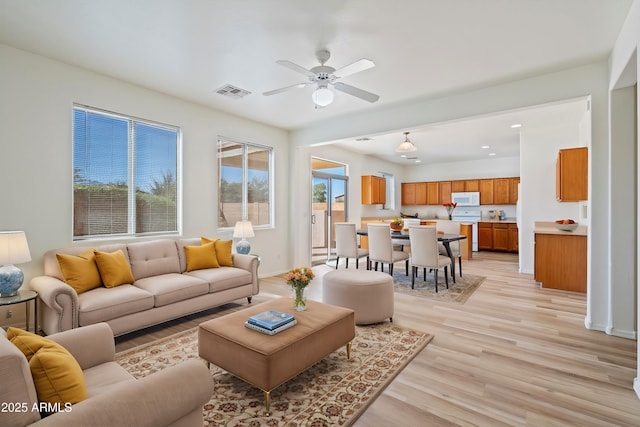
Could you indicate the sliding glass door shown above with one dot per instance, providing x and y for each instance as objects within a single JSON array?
[{"x": 329, "y": 205}]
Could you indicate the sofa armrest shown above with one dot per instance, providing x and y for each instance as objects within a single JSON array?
[
  {"x": 249, "y": 263},
  {"x": 157, "y": 400},
  {"x": 90, "y": 345},
  {"x": 59, "y": 304}
]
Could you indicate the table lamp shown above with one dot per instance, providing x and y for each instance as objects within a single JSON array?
[
  {"x": 243, "y": 230},
  {"x": 13, "y": 250}
]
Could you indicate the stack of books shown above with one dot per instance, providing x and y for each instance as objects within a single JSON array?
[{"x": 270, "y": 322}]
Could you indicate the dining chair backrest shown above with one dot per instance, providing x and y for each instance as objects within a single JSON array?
[
  {"x": 380, "y": 248},
  {"x": 450, "y": 227},
  {"x": 346, "y": 240},
  {"x": 424, "y": 245}
]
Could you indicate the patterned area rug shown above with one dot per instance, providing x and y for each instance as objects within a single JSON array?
[
  {"x": 333, "y": 392},
  {"x": 458, "y": 292}
]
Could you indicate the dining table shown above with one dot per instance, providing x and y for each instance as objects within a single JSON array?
[{"x": 444, "y": 238}]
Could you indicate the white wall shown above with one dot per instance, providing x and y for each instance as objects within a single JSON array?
[
  {"x": 504, "y": 167},
  {"x": 538, "y": 153},
  {"x": 36, "y": 160}
]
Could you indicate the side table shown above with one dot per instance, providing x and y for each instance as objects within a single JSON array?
[{"x": 25, "y": 297}]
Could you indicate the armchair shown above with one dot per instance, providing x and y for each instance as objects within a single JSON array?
[{"x": 172, "y": 397}]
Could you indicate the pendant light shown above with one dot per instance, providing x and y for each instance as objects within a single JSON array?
[{"x": 406, "y": 146}]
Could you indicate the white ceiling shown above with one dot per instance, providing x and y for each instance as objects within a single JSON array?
[{"x": 421, "y": 48}]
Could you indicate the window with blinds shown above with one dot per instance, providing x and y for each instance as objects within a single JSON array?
[
  {"x": 245, "y": 183},
  {"x": 125, "y": 175}
]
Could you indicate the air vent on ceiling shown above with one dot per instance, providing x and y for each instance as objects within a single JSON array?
[
  {"x": 232, "y": 91},
  {"x": 364, "y": 139}
]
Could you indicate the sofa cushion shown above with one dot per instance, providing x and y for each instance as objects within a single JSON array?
[
  {"x": 202, "y": 256},
  {"x": 80, "y": 271},
  {"x": 223, "y": 250},
  {"x": 153, "y": 258},
  {"x": 103, "y": 304},
  {"x": 57, "y": 376},
  {"x": 102, "y": 377},
  {"x": 114, "y": 268},
  {"x": 222, "y": 278},
  {"x": 173, "y": 287}
]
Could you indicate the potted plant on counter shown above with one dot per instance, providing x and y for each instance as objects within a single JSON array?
[
  {"x": 396, "y": 224},
  {"x": 450, "y": 207}
]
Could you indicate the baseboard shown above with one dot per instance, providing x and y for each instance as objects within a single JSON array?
[
  {"x": 636, "y": 386},
  {"x": 632, "y": 335}
]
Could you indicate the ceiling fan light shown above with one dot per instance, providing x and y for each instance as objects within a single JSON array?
[
  {"x": 322, "y": 96},
  {"x": 406, "y": 146}
]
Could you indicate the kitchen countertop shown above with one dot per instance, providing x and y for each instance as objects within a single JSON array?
[
  {"x": 543, "y": 227},
  {"x": 505, "y": 221}
]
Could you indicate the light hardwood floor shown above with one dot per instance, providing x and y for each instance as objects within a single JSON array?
[{"x": 513, "y": 354}]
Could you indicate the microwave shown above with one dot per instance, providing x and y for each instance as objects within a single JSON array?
[{"x": 469, "y": 198}]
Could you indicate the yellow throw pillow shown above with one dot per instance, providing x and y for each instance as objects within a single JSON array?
[
  {"x": 223, "y": 250},
  {"x": 80, "y": 272},
  {"x": 199, "y": 257},
  {"x": 114, "y": 268},
  {"x": 57, "y": 376}
]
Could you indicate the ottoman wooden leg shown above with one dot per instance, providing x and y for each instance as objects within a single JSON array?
[{"x": 349, "y": 350}]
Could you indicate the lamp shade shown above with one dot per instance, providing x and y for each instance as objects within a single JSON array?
[
  {"x": 322, "y": 96},
  {"x": 243, "y": 229},
  {"x": 14, "y": 248},
  {"x": 406, "y": 146}
]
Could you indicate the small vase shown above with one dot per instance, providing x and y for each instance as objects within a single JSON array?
[
  {"x": 300, "y": 301},
  {"x": 450, "y": 217}
]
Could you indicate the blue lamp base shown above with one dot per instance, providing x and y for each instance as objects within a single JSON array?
[
  {"x": 243, "y": 247},
  {"x": 11, "y": 278}
]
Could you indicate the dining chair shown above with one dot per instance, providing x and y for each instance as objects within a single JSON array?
[
  {"x": 451, "y": 227},
  {"x": 381, "y": 249},
  {"x": 347, "y": 244},
  {"x": 424, "y": 253}
]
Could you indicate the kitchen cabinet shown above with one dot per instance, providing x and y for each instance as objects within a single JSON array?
[
  {"x": 445, "y": 191},
  {"x": 561, "y": 261},
  {"x": 433, "y": 193},
  {"x": 458, "y": 186},
  {"x": 513, "y": 238},
  {"x": 501, "y": 191},
  {"x": 486, "y": 191},
  {"x": 471, "y": 185},
  {"x": 374, "y": 190},
  {"x": 414, "y": 193},
  {"x": 571, "y": 174},
  {"x": 485, "y": 235},
  {"x": 498, "y": 236},
  {"x": 513, "y": 190}
]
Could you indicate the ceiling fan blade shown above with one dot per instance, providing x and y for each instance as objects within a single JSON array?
[
  {"x": 358, "y": 93},
  {"x": 356, "y": 67},
  {"x": 284, "y": 89},
  {"x": 295, "y": 67}
]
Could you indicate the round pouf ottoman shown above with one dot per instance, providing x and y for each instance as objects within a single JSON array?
[{"x": 368, "y": 293}]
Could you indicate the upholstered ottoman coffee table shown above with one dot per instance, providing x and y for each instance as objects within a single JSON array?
[
  {"x": 368, "y": 293},
  {"x": 266, "y": 361}
]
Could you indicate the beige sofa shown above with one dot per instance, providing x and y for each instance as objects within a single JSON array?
[
  {"x": 162, "y": 290},
  {"x": 171, "y": 397}
]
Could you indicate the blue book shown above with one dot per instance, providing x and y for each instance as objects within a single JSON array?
[
  {"x": 270, "y": 319},
  {"x": 270, "y": 331}
]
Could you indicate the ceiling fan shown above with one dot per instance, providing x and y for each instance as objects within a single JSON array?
[{"x": 323, "y": 76}]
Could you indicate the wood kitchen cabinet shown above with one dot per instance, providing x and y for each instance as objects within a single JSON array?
[
  {"x": 513, "y": 190},
  {"x": 486, "y": 192},
  {"x": 513, "y": 238},
  {"x": 561, "y": 261},
  {"x": 433, "y": 193},
  {"x": 471, "y": 185},
  {"x": 445, "y": 191},
  {"x": 501, "y": 187},
  {"x": 571, "y": 175},
  {"x": 374, "y": 190},
  {"x": 414, "y": 193},
  {"x": 458, "y": 186},
  {"x": 485, "y": 236},
  {"x": 498, "y": 236}
]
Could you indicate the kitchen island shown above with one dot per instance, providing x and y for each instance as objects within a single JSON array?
[{"x": 560, "y": 257}]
